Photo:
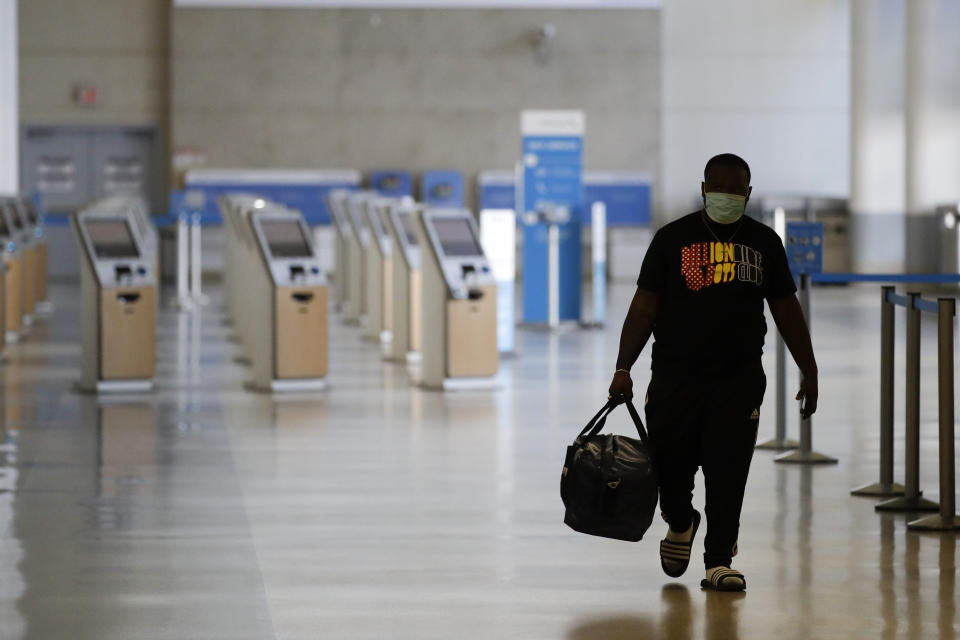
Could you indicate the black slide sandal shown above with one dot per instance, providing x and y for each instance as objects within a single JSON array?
[
  {"x": 678, "y": 552},
  {"x": 725, "y": 579}
]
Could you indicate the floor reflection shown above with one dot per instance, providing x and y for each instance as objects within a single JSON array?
[
  {"x": 947, "y": 618},
  {"x": 11, "y": 552},
  {"x": 624, "y": 627},
  {"x": 887, "y": 577},
  {"x": 722, "y": 620},
  {"x": 127, "y": 435},
  {"x": 677, "y": 618}
]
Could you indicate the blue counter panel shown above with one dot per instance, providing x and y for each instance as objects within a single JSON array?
[
  {"x": 442, "y": 188},
  {"x": 497, "y": 195},
  {"x": 392, "y": 183},
  {"x": 309, "y": 199},
  {"x": 627, "y": 197}
]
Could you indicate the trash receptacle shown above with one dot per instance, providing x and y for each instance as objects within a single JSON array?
[{"x": 832, "y": 212}]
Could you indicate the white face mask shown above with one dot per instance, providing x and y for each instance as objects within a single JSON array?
[{"x": 724, "y": 208}]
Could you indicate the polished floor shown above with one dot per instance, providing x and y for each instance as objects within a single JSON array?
[{"x": 377, "y": 510}]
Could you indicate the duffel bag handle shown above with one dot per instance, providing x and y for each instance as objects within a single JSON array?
[{"x": 598, "y": 421}]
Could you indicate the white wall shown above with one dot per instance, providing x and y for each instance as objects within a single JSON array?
[
  {"x": 9, "y": 149},
  {"x": 766, "y": 80},
  {"x": 877, "y": 141}
]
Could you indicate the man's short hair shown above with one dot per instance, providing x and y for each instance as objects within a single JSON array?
[{"x": 727, "y": 160}]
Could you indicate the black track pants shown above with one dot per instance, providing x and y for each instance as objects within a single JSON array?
[{"x": 706, "y": 420}]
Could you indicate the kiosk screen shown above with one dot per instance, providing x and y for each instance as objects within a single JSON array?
[
  {"x": 111, "y": 239},
  {"x": 456, "y": 237},
  {"x": 406, "y": 221},
  {"x": 285, "y": 239}
]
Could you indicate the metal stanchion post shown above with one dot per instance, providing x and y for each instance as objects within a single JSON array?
[
  {"x": 196, "y": 261},
  {"x": 886, "y": 487},
  {"x": 912, "y": 499},
  {"x": 598, "y": 246},
  {"x": 947, "y": 519},
  {"x": 553, "y": 275},
  {"x": 183, "y": 301},
  {"x": 780, "y": 442},
  {"x": 805, "y": 454}
]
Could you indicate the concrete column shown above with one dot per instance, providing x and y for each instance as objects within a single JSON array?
[
  {"x": 932, "y": 110},
  {"x": 9, "y": 108},
  {"x": 877, "y": 200}
]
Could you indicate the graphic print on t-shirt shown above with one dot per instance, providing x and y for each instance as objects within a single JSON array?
[{"x": 708, "y": 263}]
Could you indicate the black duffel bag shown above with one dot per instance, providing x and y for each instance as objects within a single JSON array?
[{"x": 609, "y": 486}]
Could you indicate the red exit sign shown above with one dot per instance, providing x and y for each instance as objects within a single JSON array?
[{"x": 86, "y": 95}]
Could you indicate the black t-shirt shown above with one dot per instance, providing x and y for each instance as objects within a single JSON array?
[{"x": 711, "y": 311}]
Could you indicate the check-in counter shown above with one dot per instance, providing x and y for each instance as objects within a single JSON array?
[
  {"x": 337, "y": 205},
  {"x": 13, "y": 274},
  {"x": 40, "y": 271},
  {"x": 118, "y": 304},
  {"x": 5, "y": 249},
  {"x": 459, "y": 303},
  {"x": 379, "y": 270},
  {"x": 407, "y": 300},
  {"x": 241, "y": 259},
  {"x": 288, "y": 337},
  {"x": 24, "y": 236},
  {"x": 358, "y": 246}
]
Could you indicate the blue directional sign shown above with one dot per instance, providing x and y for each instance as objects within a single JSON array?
[
  {"x": 804, "y": 244},
  {"x": 552, "y": 197}
]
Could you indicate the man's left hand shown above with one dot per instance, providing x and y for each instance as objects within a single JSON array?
[{"x": 808, "y": 394}]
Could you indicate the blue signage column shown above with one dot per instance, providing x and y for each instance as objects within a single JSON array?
[{"x": 552, "y": 213}]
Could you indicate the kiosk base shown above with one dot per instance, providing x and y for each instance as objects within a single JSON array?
[
  {"x": 289, "y": 385},
  {"x": 116, "y": 386},
  {"x": 466, "y": 384}
]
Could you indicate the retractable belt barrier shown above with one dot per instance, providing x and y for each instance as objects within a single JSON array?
[
  {"x": 908, "y": 497},
  {"x": 804, "y": 453}
]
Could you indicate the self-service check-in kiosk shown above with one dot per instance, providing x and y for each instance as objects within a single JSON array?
[
  {"x": 6, "y": 248},
  {"x": 379, "y": 270},
  {"x": 13, "y": 274},
  {"x": 289, "y": 338},
  {"x": 23, "y": 235},
  {"x": 242, "y": 265},
  {"x": 337, "y": 204},
  {"x": 358, "y": 245},
  {"x": 399, "y": 221},
  {"x": 459, "y": 304},
  {"x": 141, "y": 225},
  {"x": 29, "y": 213},
  {"x": 118, "y": 304}
]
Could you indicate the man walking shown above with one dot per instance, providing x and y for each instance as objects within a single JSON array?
[{"x": 700, "y": 294}]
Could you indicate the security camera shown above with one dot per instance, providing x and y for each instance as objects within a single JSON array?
[{"x": 544, "y": 37}]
